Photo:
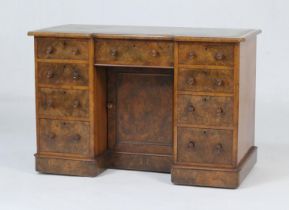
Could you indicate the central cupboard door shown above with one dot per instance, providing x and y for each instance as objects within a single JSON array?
[{"x": 140, "y": 111}]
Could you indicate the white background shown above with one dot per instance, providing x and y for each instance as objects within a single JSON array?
[{"x": 267, "y": 186}]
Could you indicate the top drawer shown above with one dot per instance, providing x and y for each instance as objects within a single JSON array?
[
  {"x": 134, "y": 52},
  {"x": 57, "y": 48},
  {"x": 206, "y": 54}
]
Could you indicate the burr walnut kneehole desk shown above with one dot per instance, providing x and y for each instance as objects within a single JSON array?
[{"x": 179, "y": 100}]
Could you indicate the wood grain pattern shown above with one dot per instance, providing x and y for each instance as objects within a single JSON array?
[
  {"x": 64, "y": 137},
  {"x": 98, "y": 104},
  {"x": 141, "y": 162},
  {"x": 139, "y": 101},
  {"x": 206, "y": 80},
  {"x": 63, "y": 74},
  {"x": 205, "y": 146},
  {"x": 175, "y": 105},
  {"x": 206, "y": 54},
  {"x": 51, "y": 48},
  {"x": 139, "y": 118},
  {"x": 63, "y": 103},
  {"x": 215, "y": 177},
  {"x": 246, "y": 117},
  {"x": 72, "y": 167},
  {"x": 123, "y": 52},
  {"x": 205, "y": 110}
]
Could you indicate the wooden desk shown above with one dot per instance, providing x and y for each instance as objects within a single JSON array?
[{"x": 177, "y": 100}]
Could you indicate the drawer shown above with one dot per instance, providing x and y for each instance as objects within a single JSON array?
[
  {"x": 208, "y": 146},
  {"x": 62, "y": 74},
  {"x": 134, "y": 52},
  {"x": 206, "y": 80},
  {"x": 64, "y": 136},
  {"x": 57, "y": 48},
  {"x": 63, "y": 103},
  {"x": 206, "y": 54},
  {"x": 205, "y": 110}
]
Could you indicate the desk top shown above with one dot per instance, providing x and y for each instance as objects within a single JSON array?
[{"x": 147, "y": 32}]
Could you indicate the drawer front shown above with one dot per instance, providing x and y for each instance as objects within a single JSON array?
[
  {"x": 205, "y": 110},
  {"x": 64, "y": 136},
  {"x": 205, "y": 146},
  {"x": 63, "y": 74},
  {"x": 134, "y": 52},
  {"x": 57, "y": 48},
  {"x": 63, "y": 103},
  {"x": 206, "y": 54},
  {"x": 206, "y": 80}
]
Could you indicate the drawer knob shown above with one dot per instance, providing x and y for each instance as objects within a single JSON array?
[
  {"x": 154, "y": 53},
  {"x": 219, "y": 148},
  {"x": 49, "y": 103},
  {"x": 109, "y": 106},
  {"x": 191, "y": 81},
  {"x": 62, "y": 43},
  {"x": 192, "y": 55},
  {"x": 192, "y": 145},
  {"x": 75, "y": 75},
  {"x": 75, "y": 51},
  {"x": 49, "y": 74},
  {"x": 219, "y": 56},
  {"x": 205, "y": 99},
  {"x": 51, "y": 136},
  {"x": 76, "y": 104},
  {"x": 75, "y": 138},
  {"x": 49, "y": 50},
  {"x": 219, "y": 82},
  {"x": 220, "y": 110},
  {"x": 113, "y": 53},
  {"x": 191, "y": 108}
]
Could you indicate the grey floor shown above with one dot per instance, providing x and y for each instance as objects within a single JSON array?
[{"x": 267, "y": 186}]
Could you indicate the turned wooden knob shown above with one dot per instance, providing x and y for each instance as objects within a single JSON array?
[
  {"x": 192, "y": 55},
  {"x": 191, "y": 108},
  {"x": 49, "y": 103},
  {"x": 219, "y": 148},
  {"x": 49, "y": 50},
  {"x": 113, "y": 52},
  {"x": 219, "y": 82},
  {"x": 49, "y": 74},
  {"x": 191, "y": 145},
  {"x": 51, "y": 136},
  {"x": 75, "y": 51},
  {"x": 76, "y": 104},
  {"x": 154, "y": 53},
  {"x": 75, "y": 75},
  {"x": 75, "y": 137},
  {"x": 219, "y": 56},
  {"x": 205, "y": 99},
  {"x": 220, "y": 110},
  {"x": 191, "y": 81},
  {"x": 63, "y": 44},
  {"x": 109, "y": 105}
]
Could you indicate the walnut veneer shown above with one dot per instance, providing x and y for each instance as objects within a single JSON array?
[{"x": 177, "y": 100}]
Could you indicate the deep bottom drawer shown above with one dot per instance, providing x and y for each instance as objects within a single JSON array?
[
  {"x": 209, "y": 146},
  {"x": 59, "y": 136}
]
